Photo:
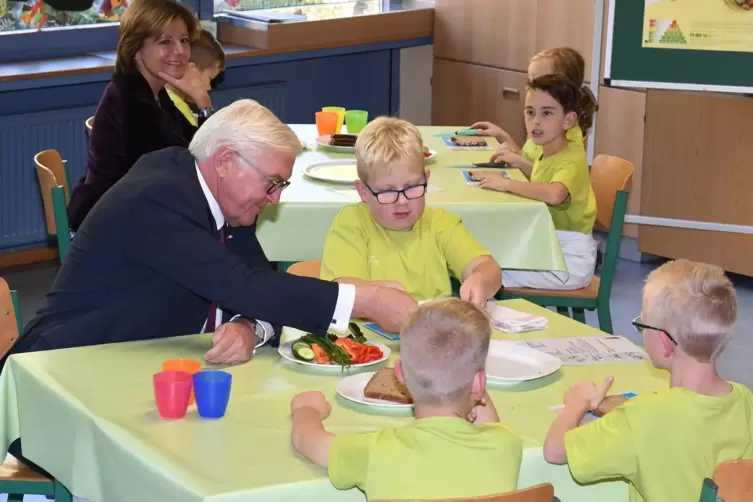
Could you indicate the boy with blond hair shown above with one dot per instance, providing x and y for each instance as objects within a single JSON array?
[
  {"x": 667, "y": 442},
  {"x": 391, "y": 238},
  {"x": 209, "y": 58},
  {"x": 455, "y": 447}
]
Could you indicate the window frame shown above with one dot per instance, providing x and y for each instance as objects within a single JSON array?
[{"x": 65, "y": 41}]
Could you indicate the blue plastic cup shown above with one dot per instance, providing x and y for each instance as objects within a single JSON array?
[{"x": 212, "y": 390}]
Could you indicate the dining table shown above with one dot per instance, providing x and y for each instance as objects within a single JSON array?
[
  {"x": 87, "y": 415},
  {"x": 518, "y": 232}
]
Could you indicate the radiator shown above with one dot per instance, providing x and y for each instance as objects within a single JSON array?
[{"x": 21, "y": 137}]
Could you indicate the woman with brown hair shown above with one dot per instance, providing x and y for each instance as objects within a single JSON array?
[{"x": 135, "y": 115}]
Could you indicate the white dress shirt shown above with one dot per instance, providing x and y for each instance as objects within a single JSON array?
[{"x": 346, "y": 295}]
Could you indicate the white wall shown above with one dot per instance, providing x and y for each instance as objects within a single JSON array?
[{"x": 416, "y": 66}]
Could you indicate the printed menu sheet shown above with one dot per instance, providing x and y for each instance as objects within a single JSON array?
[{"x": 578, "y": 351}]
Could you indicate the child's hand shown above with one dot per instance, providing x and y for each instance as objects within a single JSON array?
[
  {"x": 491, "y": 181},
  {"x": 585, "y": 396},
  {"x": 473, "y": 290},
  {"x": 514, "y": 159},
  {"x": 483, "y": 412},
  {"x": 508, "y": 147},
  {"x": 489, "y": 129},
  {"x": 311, "y": 399}
]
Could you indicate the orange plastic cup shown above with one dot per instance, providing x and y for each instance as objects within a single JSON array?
[
  {"x": 189, "y": 366},
  {"x": 326, "y": 123}
]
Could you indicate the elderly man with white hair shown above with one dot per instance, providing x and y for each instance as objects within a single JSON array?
[{"x": 171, "y": 250}]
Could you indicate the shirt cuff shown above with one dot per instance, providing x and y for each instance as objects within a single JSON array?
[
  {"x": 264, "y": 330},
  {"x": 346, "y": 299}
]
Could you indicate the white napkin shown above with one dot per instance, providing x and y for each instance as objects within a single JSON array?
[{"x": 512, "y": 321}]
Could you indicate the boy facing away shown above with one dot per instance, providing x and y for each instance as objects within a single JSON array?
[
  {"x": 667, "y": 442},
  {"x": 392, "y": 238},
  {"x": 454, "y": 448}
]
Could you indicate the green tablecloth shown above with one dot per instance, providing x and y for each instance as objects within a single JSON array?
[
  {"x": 518, "y": 232},
  {"x": 87, "y": 415}
]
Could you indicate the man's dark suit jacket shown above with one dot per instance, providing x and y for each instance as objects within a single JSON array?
[
  {"x": 148, "y": 262},
  {"x": 129, "y": 122}
]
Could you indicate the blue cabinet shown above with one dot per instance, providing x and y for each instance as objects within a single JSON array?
[{"x": 293, "y": 86}]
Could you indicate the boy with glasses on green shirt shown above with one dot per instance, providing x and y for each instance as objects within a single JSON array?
[
  {"x": 391, "y": 238},
  {"x": 665, "y": 443}
]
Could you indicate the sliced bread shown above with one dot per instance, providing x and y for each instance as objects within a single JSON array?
[{"x": 384, "y": 385}]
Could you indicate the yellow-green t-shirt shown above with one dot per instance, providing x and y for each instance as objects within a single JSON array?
[
  {"x": 569, "y": 167},
  {"x": 183, "y": 107},
  {"x": 431, "y": 458},
  {"x": 532, "y": 151},
  {"x": 421, "y": 259},
  {"x": 665, "y": 443}
]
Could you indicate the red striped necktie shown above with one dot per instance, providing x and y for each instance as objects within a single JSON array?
[{"x": 212, "y": 317}]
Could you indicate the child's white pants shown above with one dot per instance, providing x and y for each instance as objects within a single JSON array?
[{"x": 579, "y": 251}]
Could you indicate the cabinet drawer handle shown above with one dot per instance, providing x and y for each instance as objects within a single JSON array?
[{"x": 510, "y": 93}]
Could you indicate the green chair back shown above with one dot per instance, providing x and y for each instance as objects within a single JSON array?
[
  {"x": 60, "y": 212},
  {"x": 17, "y": 310}
]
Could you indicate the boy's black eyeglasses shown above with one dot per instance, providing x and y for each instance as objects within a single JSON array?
[
  {"x": 391, "y": 196},
  {"x": 639, "y": 327}
]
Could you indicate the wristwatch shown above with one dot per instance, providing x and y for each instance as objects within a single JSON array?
[
  {"x": 205, "y": 113},
  {"x": 256, "y": 327}
]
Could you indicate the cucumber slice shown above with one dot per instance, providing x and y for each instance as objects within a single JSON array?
[{"x": 303, "y": 351}]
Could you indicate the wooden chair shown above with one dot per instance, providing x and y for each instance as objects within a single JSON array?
[
  {"x": 610, "y": 178},
  {"x": 538, "y": 493},
  {"x": 309, "y": 268},
  {"x": 16, "y": 479},
  {"x": 735, "y": 480},
  {"x": 53, "y": 183}
]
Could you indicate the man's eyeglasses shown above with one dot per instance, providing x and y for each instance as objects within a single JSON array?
[
  {"x": 275, "y": 185},
  {"x": 392, "y": 196},
  {"x": 639, "y": 327}
]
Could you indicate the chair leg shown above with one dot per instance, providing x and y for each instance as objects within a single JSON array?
[
  {"x": 605, "y": 317},
  {"x": 579, "y": 315},
  {"x": 563, "y": 311},
  {"x": 61, "y": 493},
  {"x": 15, "y": 497}
]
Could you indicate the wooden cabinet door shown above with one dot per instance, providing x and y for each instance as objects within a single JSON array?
[
  {"x": 566, "y": 23},
  {"x": 619, "y": 132},
  {"x": 499, "y": 33},
  {"x": 697, "y": 166},
  {"x": 463, "y": 93}
]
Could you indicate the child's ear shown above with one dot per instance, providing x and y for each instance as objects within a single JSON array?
[
  {"x": 669, "y": 347},
  {"x": 362, "y": 190},
  {"x": 399, "y": 370},
  {"x": 427, "y": 173},
  {"x": 478, "y": 387},
  {"x": 571, "y": 118}
]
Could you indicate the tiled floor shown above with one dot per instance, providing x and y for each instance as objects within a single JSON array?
[{"x": 33, "y": 282}]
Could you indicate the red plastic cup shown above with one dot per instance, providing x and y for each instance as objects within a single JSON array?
[
  {"x": 190, "y": 366},
  {"x": 172, "y": 389}
]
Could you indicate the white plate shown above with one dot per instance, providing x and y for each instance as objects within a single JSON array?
[
  {"x": 351, "y": 388},
  {"x": 323, "y": 141},
  {"x": 334, "y": 171},
  {"x": 508, "y": 362},
  {"x": 286, "y": 352}
]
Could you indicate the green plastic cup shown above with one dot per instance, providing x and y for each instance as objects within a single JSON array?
[{"x": 356, "y": 120}]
